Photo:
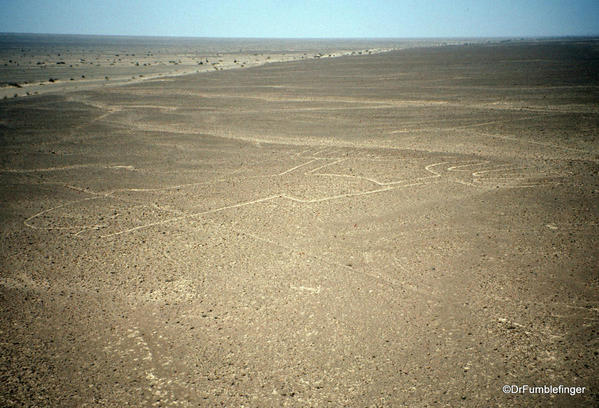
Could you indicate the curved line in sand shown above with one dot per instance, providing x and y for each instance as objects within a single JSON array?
[{"x": 387, "y": 186}]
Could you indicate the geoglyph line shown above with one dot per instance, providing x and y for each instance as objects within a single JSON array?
[
  {"x": 320, "y": 200},
  {"x": 471, "y": 125},
  {"x": 461, "y": 166},
  {"x": 39, "y": 214},
  {"x": 478, "y": 173},
  {"x": 175, "y": 219},
  {"x": 387, "y": 187},
  {"x": 72, "y": 167},
  {"x": 243, "y": 204},
  {"x": 515, "y": 139},
  {"x": 392, "y": 282},
  {"x": 296, "y": 167},
  {"x": 324, "y": 165}
]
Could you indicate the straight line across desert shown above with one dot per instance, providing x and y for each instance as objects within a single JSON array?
[{"x": 409, "y": 223}]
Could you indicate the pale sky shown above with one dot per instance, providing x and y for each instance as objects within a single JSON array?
[{"x": 303, "y": 19}]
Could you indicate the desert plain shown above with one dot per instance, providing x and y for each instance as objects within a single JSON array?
[{"x": 410, "y": 228}]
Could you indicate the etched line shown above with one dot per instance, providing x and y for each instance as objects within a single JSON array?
[
  {"x": 296, "y": 167},
  {"x": 175, "y": 219},
  {"x": 461, "y": 166},
  {"x": 325, "y": 165},
  {"x": 39, "y": 214}
]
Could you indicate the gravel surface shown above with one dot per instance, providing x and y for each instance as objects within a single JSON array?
[{"x": 415, "y": 228}]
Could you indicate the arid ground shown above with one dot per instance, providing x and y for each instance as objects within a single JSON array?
[
  {"x": 416, "y": 228},
  {"x": 36, "y": 64}
]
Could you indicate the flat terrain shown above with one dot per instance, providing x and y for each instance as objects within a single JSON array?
[
  {"x": 36, "y": 64},
  {"x": 415, "y": 228}
]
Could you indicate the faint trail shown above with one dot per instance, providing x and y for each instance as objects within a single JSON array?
[
  {"x": 243, "y": 204},
  {"x": 531, "y": 185},
  {"x": 362, "y": 193},
  {"x": 429, "y": 168},
  {"x": 410, "y": 273},
  {"x": 460, "y": 167},
  {"x": 379, "y": 183},
  {"x": 159, "y": 107},
  {"x": 72, "y": 167},
  {"x": 96, "y": 195},
  {"x": 174, "y": 219},
  {"x": 494, "y": 122},
  {"x": 393, "y": 284},
  {"x": 554, "y": 146},
  {"x": 469, "y": 126},
  {"x": 324, "y": 165},
  {"x": 27, "y": 222},
  {"x": 527, "y": 178},
  {"x": 320, "y": 200},
  {"x": 357, "y": 177},
  {"x": 590, "y": 308},
  {"x": 535, "y": 178},
  {"x": 386, "y": 187},
  {"x": 111, "y": 110},
  {"x": 478, "y": 173},
  {"x": 361, "y": 102},
  {"x": 296, "y": 167},
  {"x": 315, "y": 290}
]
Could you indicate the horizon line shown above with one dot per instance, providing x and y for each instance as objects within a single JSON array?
[{"x": 545, "y": 36}]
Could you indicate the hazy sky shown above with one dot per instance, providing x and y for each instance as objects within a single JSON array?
[{"x": 309, "y": 18}]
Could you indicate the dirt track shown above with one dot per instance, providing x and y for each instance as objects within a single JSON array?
[{"x": 417, "y": 228}]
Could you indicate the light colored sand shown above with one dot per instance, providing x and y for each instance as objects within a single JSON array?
[
  {"x": 126, "y": 69},
  {"x": 266, "y": 237}
]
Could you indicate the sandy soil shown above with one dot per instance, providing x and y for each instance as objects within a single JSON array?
[
  {"x": 416, "y": 228},
  {"x": 36, "y": 64}
]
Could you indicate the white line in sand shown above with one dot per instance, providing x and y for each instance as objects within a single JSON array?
[
  {"x": 39, "y": 214},
  {"x": 174, "y": 219},
  {"x": 387, "y": 186},
  {"x": 109, "y": 194},
  {"x": 296, "y": 167}
]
